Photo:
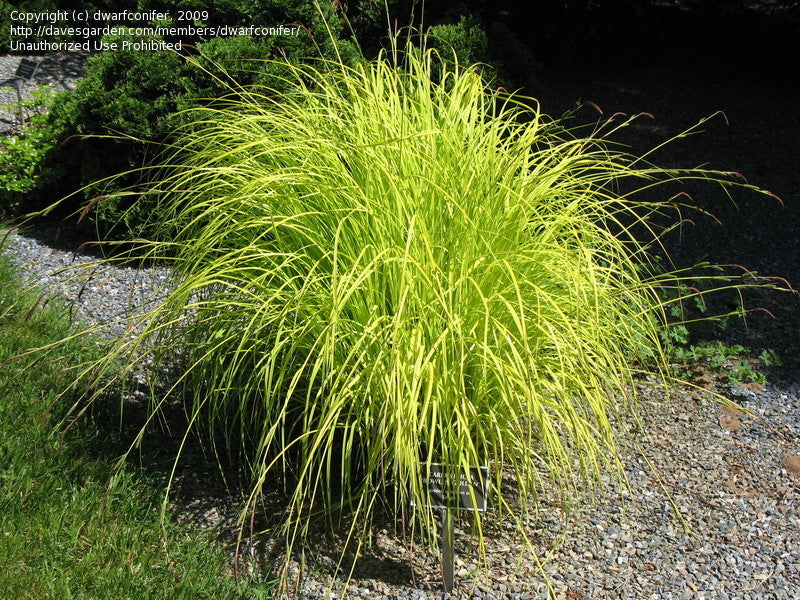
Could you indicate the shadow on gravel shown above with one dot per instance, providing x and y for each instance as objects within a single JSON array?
[
  {"x": 67, "y": 235},
  {"x": 208, "y": 488},
  {"x": 59, "y": 69},
  {"x": 743, "y": 68}
]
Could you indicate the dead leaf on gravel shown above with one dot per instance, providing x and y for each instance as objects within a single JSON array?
[
  {"x": 731, "y": 418},
  {"x": 792, "y": 464},
  {"x": 732, "y": 412},
  {"x": 728, "y": 423},
  {"x": 755, "y": 387},
  {"x": 705, "y": 380},
  {"x": 740, "y": 489}
]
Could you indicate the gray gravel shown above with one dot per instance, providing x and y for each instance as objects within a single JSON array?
[
  {"x": 108, "y": 297},
  {"x": 738, "y": 534}
]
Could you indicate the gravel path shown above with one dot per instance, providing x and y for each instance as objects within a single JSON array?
[
  {"x": 730, "y": 476},
  {"x": 108, "y": 296}
]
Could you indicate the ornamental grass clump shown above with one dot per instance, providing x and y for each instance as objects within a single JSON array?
[{"x": 377, "y": 272}]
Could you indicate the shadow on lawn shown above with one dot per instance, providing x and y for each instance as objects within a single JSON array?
[{"x": 208, "y": 490}]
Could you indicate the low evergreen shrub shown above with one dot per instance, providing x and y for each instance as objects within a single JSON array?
[
  {"x": 122, "y": 109},
  {"x": 22, "y": 155}
]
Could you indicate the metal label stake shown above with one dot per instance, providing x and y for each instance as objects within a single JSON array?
[
  {"x": 20, "y": 116},
  {"x": 471, "y": 492},
  {"x": 25, "y": 71},
  {"x": 448, "y": 558}
]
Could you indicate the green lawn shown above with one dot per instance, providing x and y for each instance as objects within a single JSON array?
[{"x": 63, "y": 534}]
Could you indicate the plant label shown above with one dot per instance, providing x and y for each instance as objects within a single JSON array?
[
  {"x": 26, "y": 69},
  {"x": 473, "y": 491}
]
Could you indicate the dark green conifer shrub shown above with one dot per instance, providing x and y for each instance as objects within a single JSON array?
[{"x": 125, "y": 105}]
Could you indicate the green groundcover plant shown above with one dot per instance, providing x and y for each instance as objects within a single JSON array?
[
  {"x": 376, "y": 273},
  {"x": 22, "y": 154}
]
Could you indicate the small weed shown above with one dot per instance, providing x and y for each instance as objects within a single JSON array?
[
  {"x": 770, "y": 358},
  {"x": 719, "y": 359},
  {"x": 690, "y": 307}
]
